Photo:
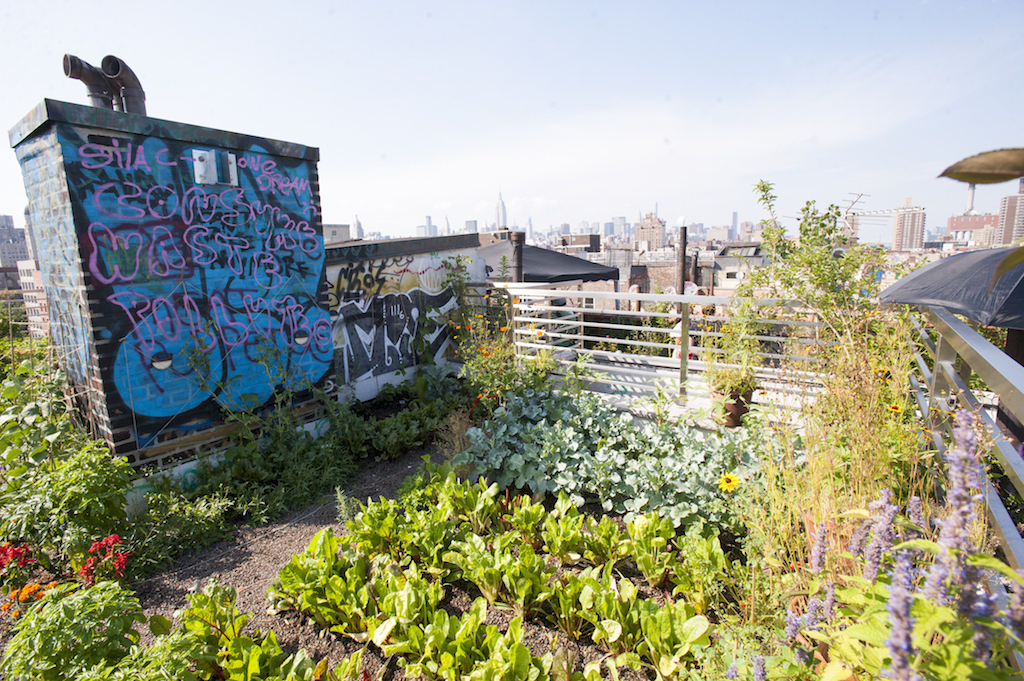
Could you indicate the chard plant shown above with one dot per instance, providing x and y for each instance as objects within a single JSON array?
[
  {"x": 671, "y": 635},
  {"x": 604, "y": 543},
  {"x": 612, "y": 607},
  {"x": 650, "y": 540},
  {"x": 562, "y": 531},
  {"x": 527, "y": 583},
  {"x": 702, "y": 568},
  {"x": 566, "y": 610},
  {"x": 483, "y": 562}
]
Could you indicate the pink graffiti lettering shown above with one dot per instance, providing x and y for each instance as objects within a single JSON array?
[
  {"x": 226, "y": 327},
  {"x": 164, "y": 255},
  {"x": 99, "y": 156},
  {"x": 195, "y": 239},
  {"x": 135, "y": 306},
  {"x": 123, "y": 200},
  {"x": 119, "y": 247},
  {"x": 235, "y": 246},
  {"x": 160, "y": 154}
]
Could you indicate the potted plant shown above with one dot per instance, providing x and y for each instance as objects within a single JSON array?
[{"x": 731, "y": 358}]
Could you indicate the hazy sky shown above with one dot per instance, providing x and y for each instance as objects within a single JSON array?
[{"x": 572, "y": 110}]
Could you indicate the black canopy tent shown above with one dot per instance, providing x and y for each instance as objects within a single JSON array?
[{"x": 542, "y": 265}]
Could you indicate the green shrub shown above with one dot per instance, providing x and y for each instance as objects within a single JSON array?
[
  {"x": 72, "y": 631},
  {"x": 63, "y": 505}
]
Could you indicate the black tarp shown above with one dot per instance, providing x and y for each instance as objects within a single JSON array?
[
  {"x": 542, "y": 265},
  {"x": 963, "y": 284}
]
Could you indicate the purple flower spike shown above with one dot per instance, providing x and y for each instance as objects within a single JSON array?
[
  {"x": 829, "y": 607},
  {"x": 900, "y": 600},
  {"x": 732, "y": 672},
  {"x": 818, "y": 549},
  {"x": 882, "y": 517},
  {"x": 964, "y": 474},
  {"x": 759, "y": 673},
  {"x": 915, "y": 512},
  {"x": 792, "y": 625}
]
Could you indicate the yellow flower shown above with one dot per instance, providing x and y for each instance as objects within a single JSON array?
[
  {"x": 895, "y": 408},
  {"x": 728, "y": 482}
]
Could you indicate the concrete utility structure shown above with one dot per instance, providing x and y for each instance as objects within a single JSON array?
[{"x": 186, "y": 277}]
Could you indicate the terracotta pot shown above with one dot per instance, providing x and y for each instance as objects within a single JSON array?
[{"x": 735, "y": 407}]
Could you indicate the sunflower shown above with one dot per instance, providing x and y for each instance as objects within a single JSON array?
[{"x": 728, "y": 482}]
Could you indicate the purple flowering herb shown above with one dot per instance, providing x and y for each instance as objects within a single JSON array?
[
  {"x": 813, "y": 614},
  {"x": 882, "y": 517},
  {"x": 818, "y": 549},
  {"x": 792, "y": 625},
  {"x": 828, "y": 608},
  {"x": 964, "y": 474},
  {"x": 732, "y": 672},
  {"x": 759, "y": 673},
  {"x": 901, "y": 599},
  {"x": 802, "y": 656},
  {"x": 915, "y": 512},
  {"x": 976, "y": 603},
  {"x": 860, "y": 535}
]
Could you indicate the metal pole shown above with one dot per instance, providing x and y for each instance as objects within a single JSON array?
[{"x": 517, "y": 239}]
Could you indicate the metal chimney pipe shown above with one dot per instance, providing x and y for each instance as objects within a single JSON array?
[
  {"x": 970, "y": 199},
  {"x": 102, "y": 93},
  {"x": 132, "y": 94}
]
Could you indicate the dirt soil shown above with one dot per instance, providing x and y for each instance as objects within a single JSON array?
[{"x": 252, "y": 558}]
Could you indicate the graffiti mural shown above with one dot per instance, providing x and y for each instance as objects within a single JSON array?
[
  {"x": 202, "y": 294},
  {"x": 380, "y": 306}
]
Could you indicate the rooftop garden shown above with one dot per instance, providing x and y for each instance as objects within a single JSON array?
[{"x": 561, "y": 539}]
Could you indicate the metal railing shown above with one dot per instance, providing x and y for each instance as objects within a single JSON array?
[
  {"x": 649, "y": 338},
  {"x": 955, "y": 351}
]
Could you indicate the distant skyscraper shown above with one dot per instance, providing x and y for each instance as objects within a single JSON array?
[
  {"x": 471, "y": 226},
  {"x": 620, "y": 226},
  {"x": 529, "y": 228},
  {"x": 566, "y": 229},
  {"x": 908, "y": 228},
  {"x": 13, "y": 245},
  {"x": 1011, "y": 217},
  {"x": 502, "y": 221},
  {"x": 650, "y": 233},
  {"x": 358, "y": 228},
  {"x": 734, "y": 229},
  {"x": 609, "y": 228}
]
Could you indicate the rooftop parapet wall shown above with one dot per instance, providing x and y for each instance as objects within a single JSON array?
[{"x": 184, "y": 267}]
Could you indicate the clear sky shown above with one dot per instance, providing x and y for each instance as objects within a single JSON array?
[{"x": 572, "y": 110}]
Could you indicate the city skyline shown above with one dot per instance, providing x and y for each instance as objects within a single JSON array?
[{"x": 820, "y": 100}]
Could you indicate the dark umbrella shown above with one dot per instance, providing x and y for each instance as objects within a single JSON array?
[{"x": 961, "y": 283}]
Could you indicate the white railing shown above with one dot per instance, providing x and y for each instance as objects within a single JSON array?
[{"x": 649, "y": 338}]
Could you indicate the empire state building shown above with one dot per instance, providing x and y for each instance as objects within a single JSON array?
[{"x": 502, "y": 221}]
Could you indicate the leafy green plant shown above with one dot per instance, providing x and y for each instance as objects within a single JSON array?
[
  {"x": 526, "y": 583},
  {"x": 526, "y": 519},
  {"x": 331, "y": 587},
  {"x": 650, "y": 542},
  {"x": 63, "y": 505},
  {"x": 172, "y": 523},
  {"x": 72, "y": 630},
  {"x": 484, "y": 563},
  {"x": 604, "y": 543},
  {"x": 475, "y": 504},
  {"x": 702, "y": 567},
  {"x": 612, "y": 607},
  {"x": 446, "y": 647},
  {"x": 562, "y": 531},
  {"x": 670, "y": 634}
]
